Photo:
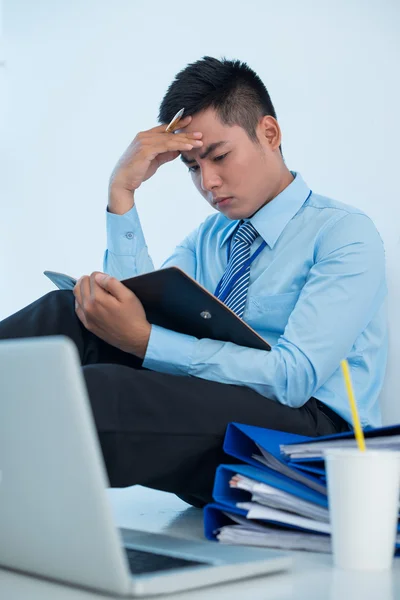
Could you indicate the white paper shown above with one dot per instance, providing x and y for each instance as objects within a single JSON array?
[
  {"x": 316, "y": 449},
  {"x": 257, "y": 511},
  {"x": 273, "y": 463},
  {"x": 238, "y": 534},
  {"x": 252, "y": 534},
  {"x": 267, "y": 495}
]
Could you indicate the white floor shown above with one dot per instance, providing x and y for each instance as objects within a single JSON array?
[{"x": 311, "y": 578}]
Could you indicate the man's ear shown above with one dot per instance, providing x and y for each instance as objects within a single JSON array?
[{"x": 270, "y": 132}]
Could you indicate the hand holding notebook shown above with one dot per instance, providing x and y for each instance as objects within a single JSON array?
[{"x": 175, "y": 301}]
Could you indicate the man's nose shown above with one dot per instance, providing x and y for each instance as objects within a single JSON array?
[{"x": 209, "y": 179}]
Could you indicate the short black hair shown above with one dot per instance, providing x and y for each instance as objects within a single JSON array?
[{"x": 230, "y": 87}]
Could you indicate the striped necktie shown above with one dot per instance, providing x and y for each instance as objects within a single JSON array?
[{"x": 236, "y": 277}]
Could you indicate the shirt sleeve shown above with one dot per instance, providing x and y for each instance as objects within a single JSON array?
[
  {"x": 127, "y": 253},
  {"x": 344, "y": 288}
]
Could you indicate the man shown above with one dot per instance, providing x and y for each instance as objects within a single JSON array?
[{"x": 305, "y": 271}]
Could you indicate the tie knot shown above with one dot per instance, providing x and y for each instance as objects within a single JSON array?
[{"x": 246, "y": 233}]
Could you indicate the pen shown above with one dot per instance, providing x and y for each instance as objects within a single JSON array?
[{"x": 175, "y": 121}]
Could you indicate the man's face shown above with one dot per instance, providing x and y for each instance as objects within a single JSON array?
[{"x": 234, "y": 174}]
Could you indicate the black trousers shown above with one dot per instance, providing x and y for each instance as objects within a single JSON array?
[{"x": 161, "y": 431}]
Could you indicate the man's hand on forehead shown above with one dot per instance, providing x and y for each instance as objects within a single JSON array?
[{"x": 148, "y": 151}]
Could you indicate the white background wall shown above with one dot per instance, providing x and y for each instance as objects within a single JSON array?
[{"x": 83, "y": 76}]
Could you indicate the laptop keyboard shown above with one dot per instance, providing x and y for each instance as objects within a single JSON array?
[{"x": 141, "y": 561}]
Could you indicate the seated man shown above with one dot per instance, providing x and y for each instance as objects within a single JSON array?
[{"x": 306, "y": 272}]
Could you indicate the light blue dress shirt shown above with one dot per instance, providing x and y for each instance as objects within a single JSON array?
[{"x": 317, "y": 294}]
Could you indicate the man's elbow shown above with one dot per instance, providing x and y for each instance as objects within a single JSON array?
[{"x": 300, "y": 377}]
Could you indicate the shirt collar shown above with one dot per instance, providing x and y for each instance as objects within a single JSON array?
[{"x": 271, "y": 219}]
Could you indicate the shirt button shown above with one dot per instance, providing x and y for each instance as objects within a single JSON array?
[{"x": 129, "y": 235}]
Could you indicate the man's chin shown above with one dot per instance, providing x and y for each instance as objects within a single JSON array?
[{"x": 235, "y": 213}]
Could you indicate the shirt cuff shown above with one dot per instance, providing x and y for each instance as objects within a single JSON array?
[
  {"x": 124, "y": 233},
  {"x": 169, "y": 351}
]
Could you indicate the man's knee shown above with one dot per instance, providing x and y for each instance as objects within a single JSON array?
[
  {"x": 60, "y": 297},
  {"x": 52, "y": 301}
]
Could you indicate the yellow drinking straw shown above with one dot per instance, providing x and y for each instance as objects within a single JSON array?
[{"x": 354, "y": 412}]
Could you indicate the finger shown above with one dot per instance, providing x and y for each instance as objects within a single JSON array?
[
  {"x": 77, "y": 290},
  {"x": 167, "y": 157},
  {"x": 188, "y": 137},
  {"x": 181, "y": 135},
  {"x": 112, "y": 285},
  {"x": 166, "y": 139},
  {"x": 77, "y": 283},
  {"x": 180, "y": 130},
  {"x": 183, "y": 145},
  {"x": 171, "y": 145},
  {"x": 84, "y": 292},
  {"x": 80, "y": 314},
  {"x": 94, "y": 287}
]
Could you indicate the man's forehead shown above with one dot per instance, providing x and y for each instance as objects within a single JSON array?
[
  {"x": 205, "y": 117},
  {"x": 202, "y": 152},
  {"x": 209, "y": 123}
]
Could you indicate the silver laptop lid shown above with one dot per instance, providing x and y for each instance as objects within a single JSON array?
[{"x": 43, "y": 518}]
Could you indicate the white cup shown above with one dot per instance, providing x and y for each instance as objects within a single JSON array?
[{"x": 363, "y": 492}]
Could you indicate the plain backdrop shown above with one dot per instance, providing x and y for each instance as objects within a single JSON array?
[{"x": 82, "y": 77}]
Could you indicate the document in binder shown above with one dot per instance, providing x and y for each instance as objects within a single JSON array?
[
  {"x": 230, "y": 525},
  {"x": 274, "y": 490},
  {"x": 310, "y": 452},
  {"x": 260, "y": 447}
]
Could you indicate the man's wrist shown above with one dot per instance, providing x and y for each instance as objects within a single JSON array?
[
  {"x": 120, "y": 200},
  {"x": 142, "y": 337}
]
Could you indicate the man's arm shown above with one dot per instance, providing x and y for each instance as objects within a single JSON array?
[
  {"x": 126, "y": 254},
  {"x": 344, "y": 289}
]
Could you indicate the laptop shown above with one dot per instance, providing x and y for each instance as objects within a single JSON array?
[{"x": 55, "y": 517}]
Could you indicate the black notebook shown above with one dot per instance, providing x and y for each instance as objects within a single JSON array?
[{"x": 175, "y": 301}]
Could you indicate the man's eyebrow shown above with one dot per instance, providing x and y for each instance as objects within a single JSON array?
[{"x": 204, "y": 154}]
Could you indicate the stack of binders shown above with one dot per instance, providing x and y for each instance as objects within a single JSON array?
[{"x": 278, "y": 497}]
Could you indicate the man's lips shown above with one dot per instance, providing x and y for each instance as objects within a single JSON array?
[{"x": 222, "y": 199}]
